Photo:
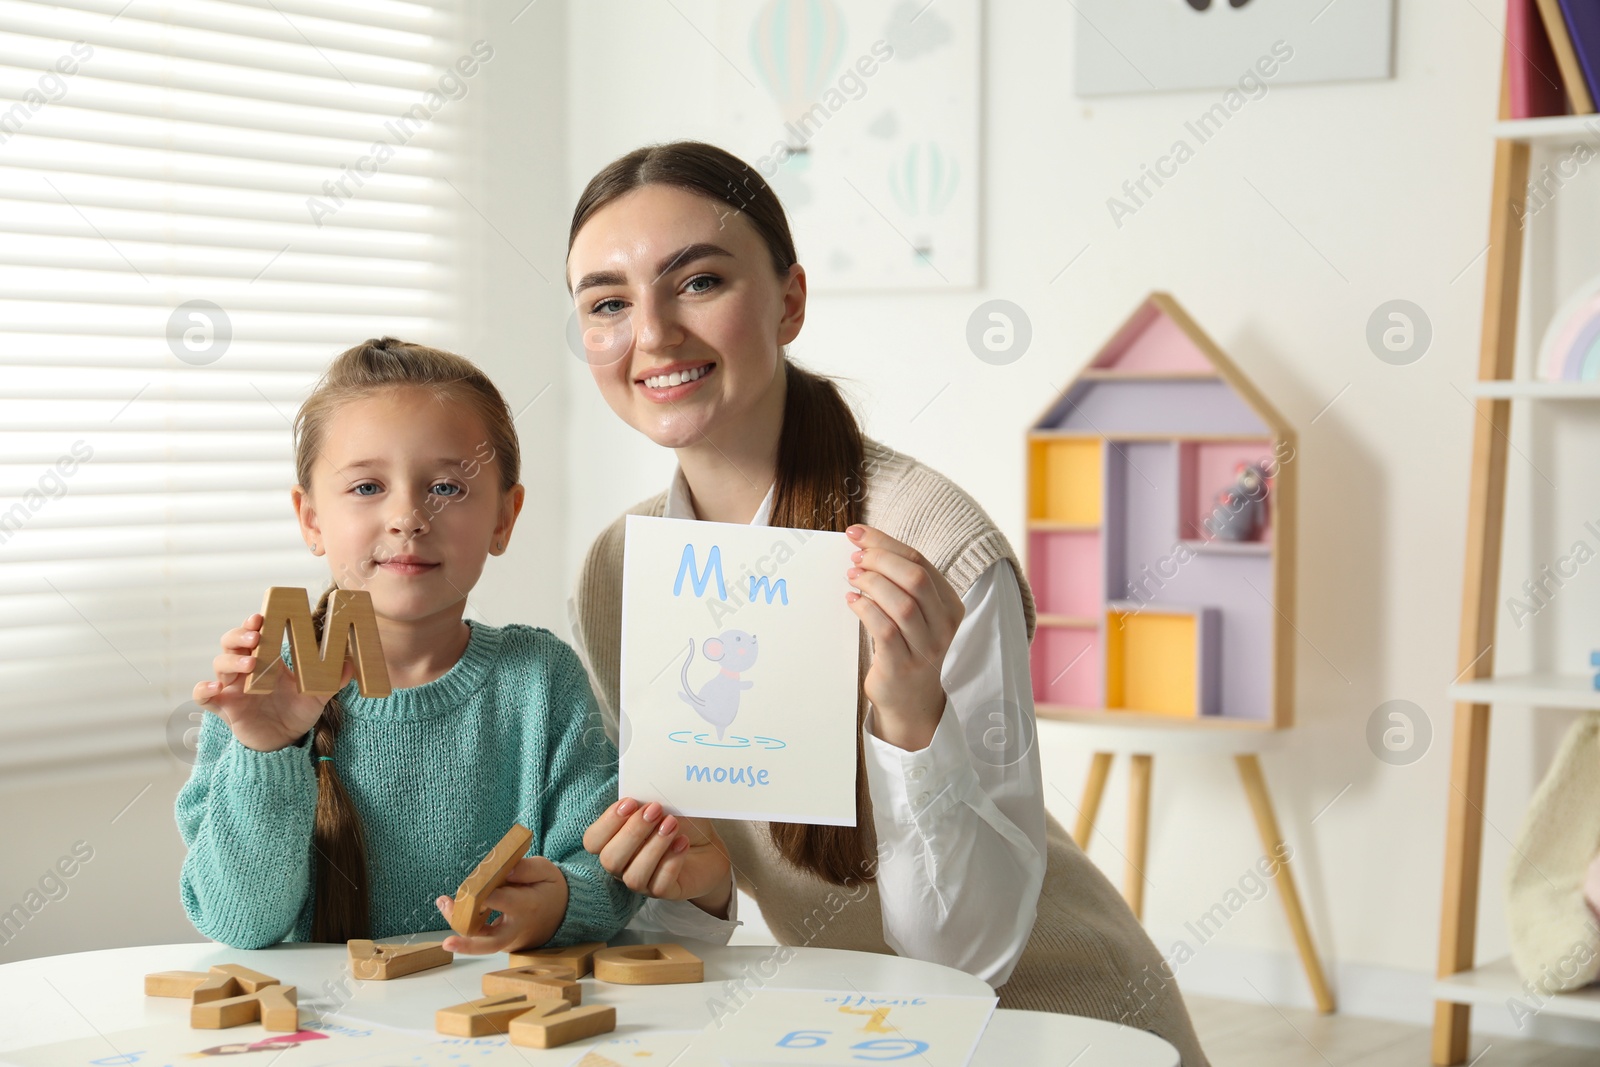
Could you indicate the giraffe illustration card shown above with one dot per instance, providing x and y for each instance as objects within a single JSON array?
[{"x": 739, "y": 671}]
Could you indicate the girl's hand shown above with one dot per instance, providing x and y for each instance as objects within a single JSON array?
[
  {"x": 911, "y": 612},
  {"x": 531, "y": 903},
  {"x": 662, "y": 855},
  {"x": 265, "y": 722}
]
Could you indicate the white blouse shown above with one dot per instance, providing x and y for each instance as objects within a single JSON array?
[{"x": 960, "y": 823}]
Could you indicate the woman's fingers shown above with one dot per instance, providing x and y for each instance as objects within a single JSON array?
[
  {"x": 665, "y": 883},
  {"x": 886, "y": 636},
  {"x": 901, "y": 608},
  {"x": 647, "y": 848},
  {"x": 641, "y": 873},
  {"x": 603, "y": 829},
  {"x": 906, "y": 567},
  {"x": 634, "y": 835}
]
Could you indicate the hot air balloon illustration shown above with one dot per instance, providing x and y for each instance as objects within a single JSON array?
[
  {"x": 797, "y": 46},
  {"x": 923, "y": 179}
]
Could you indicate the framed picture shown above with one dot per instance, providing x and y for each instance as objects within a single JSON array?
[{"x": 1144, "y": 46}]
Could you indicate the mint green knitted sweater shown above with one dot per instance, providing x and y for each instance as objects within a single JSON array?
[{"x": 438, "y": 772}]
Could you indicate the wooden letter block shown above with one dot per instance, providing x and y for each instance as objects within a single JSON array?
[
  {"x": 229, "y": 995},
  {"x": 376, "y": 962},
  {"x": 317, "y": 670},
  {"x": 249, "y": 981},
  {"x": 279, "y": 1010},
  {"x": 479, "y": 1018},
  {"x": 577, "y": 959},
  {"x": 215, "y": 987},
  {"x": 664, "y": 964},
  {"x": 552, "y": 1023},
  {"x": 174, "y": 983},
  {"x": 470, "y": 912},
  {"x": 273, "y": 1005},
  {"x": 540, "y": 983}
]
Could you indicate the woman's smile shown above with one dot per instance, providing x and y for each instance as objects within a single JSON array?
[{"x": 675, "y": 380}]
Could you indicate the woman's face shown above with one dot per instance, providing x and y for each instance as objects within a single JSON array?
[{"x": 683, "y": 314}]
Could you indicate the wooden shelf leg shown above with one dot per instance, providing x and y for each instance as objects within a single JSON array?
[
  {"x": 1462, "y": 863},
  {"x": 1255, "y": 788},
  {"x": 1491, "y": 435},
  {"x": 1139, "y": 768},
  {"x": 1089, "y": 806}
]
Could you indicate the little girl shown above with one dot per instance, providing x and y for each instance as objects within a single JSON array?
[{"x": 325, "y": 820}]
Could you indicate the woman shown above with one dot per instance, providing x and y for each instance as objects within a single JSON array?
[{"x": 687, "y": 289}]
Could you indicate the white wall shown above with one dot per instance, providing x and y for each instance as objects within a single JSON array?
[{"x": 1314, "y": 205}]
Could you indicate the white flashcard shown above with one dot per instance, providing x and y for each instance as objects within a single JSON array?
[{"x": 739, "y": 671}]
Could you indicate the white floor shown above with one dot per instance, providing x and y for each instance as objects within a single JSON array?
[{"x": 1238, "y": 1034}]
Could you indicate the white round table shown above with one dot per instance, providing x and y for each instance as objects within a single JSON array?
[{"x": 87, "y": 994}]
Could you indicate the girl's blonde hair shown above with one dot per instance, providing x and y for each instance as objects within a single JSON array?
[{"x": 341, "y": 909}]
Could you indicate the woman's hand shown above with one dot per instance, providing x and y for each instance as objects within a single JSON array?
[
  {"x": 531, "y": 903},
  {"x": 265, "y": 722},
  {"x": 644, "y": 848},
  {"x": 911, "y": 612}
]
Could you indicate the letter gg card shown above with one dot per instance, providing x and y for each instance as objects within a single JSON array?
[{"x": 739, "y": 661}]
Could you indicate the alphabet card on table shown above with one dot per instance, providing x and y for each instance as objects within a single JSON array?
[
  {"x": 739, "y": 671},
  {"x": 818, "y": 1027}
]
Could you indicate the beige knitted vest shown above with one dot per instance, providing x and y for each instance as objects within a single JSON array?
[{"x": 1087, "y": 954}]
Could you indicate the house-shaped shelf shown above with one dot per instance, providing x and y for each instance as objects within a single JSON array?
[{"x": 1159, "y": 599}]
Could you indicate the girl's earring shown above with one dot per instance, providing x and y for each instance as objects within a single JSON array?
[{"x": 499, "y": 546}]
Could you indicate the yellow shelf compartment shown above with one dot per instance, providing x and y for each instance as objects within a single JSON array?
[
  {"x": 1066, "y": 480},
  {"x": 1161, "y": 659}
]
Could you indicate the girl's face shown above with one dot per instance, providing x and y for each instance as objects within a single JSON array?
[
  {"x": 671, "y": 286},
  {"x": 405, "y": 500}
]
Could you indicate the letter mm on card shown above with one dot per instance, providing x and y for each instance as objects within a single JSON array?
[{"x": 740, "y": 671}]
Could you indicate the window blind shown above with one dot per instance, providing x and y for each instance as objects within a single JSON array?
[{"x": 200, "y": 204}]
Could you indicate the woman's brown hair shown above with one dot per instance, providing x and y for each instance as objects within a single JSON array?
[
  {"x": 821, "y": 453},
  {"x": 342, "y": 905}
]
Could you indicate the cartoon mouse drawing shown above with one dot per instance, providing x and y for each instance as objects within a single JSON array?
[{"x": 734, "y": 652}]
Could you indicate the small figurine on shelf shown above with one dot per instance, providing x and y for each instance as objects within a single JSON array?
[{"x": 1241, "y": 508}]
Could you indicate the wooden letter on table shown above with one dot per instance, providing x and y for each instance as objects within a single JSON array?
[
  {"x": 469, "y": 913},
  {"x": 664, "y": 964},
  {"x": 178, "y": 983},
  {"x": 576, "y": 959},
  {"x": 539, "y": 982},
  {"x": 249, "y": 981},
  {"x": 229, "y": 995},
  {"x": 484, "y": 1016},
  {"x": 274, "y": 1005},
  {"x": 317, "y": 670},
  {"x": 375, "y": 962},
  {"x": 552, "y": 1023}
]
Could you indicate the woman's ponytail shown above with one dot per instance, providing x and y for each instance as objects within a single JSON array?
[{"x": 821, "y": 464}]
